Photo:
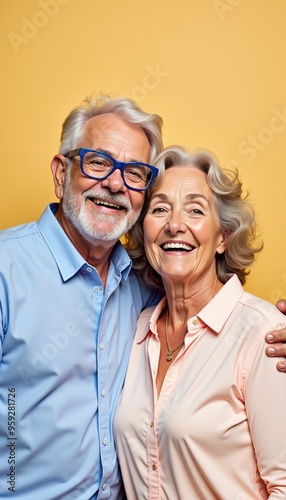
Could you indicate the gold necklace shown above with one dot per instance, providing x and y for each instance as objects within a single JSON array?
[{"x": 170, "y": 351}]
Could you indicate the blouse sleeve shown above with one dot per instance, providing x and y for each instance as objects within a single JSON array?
[{"x": 265, "y": 399}]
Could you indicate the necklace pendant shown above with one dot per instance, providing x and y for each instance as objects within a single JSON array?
[{"x": 169, "y": 356}]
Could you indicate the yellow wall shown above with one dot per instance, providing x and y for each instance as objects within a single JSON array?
[{"x": 214, "y": 69}]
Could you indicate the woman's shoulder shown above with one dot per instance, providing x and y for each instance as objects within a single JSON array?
[
  {"x": 262, "y": 308},
  {"x": 147, "y": 313},
  {"x": 149, "y": 316}
]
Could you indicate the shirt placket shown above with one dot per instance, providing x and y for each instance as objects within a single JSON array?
[
  {"x": 152, "y": 444},
  {"x": 154, "y": 481},
  {"x": 105, "y": 439},
  {"x": 102, "y": 374}
]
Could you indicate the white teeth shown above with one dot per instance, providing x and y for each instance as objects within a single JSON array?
[
  {"x": 177, "y": 246},
  {"x": 100, "y": 202}
]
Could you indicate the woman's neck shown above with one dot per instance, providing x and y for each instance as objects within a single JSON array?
[{"x": 186, "y": 298}]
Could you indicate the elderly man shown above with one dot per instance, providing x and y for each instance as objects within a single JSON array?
[{"x": 69, "y": 302}]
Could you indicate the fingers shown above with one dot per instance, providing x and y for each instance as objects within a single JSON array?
[
  {"x": 276, "y": 350},
  {"x": 276, "y": 336},
  {"x": 281, "y": 366},
  {"x": 281, "y": 305},
  {"x": 277, "y": 347}
]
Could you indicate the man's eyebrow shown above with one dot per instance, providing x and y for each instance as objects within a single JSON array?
[{"x": 101, "y": 150}]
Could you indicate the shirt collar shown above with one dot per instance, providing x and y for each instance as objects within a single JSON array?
[
  {"x": 68, "y": 259},
  {"x": 214, "y": 314},
  {"x": 217, "y": 311},
  {"x": 152, "y": 324}
]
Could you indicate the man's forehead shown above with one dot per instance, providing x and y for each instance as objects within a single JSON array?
[
  {"x": 109, "y": 123},
  {"x": 110, "y": 131}
]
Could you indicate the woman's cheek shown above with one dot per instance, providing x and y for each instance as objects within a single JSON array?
[{"x": 151, "y": 255}]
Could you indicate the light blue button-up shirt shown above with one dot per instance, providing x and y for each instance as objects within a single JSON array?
[{"x": 65, "y": 343}]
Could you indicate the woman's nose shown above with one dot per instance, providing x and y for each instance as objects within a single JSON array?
[{"x": 175, "y": 224}]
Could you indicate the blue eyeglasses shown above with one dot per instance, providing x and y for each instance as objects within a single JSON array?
[{"x": 98, "y": 165}]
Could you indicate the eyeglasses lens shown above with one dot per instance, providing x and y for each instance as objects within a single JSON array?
[{"x": 99, "y": 166}]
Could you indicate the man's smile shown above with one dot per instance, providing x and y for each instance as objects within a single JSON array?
[{"x": 108, "y": 204}]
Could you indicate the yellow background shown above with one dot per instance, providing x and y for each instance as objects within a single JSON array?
[{"x": 214, "y": 69}]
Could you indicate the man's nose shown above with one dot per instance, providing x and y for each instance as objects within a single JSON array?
[{"x": 114, "y": 182}]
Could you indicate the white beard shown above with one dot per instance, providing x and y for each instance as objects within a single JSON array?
[{"x": 89, "y": 229}]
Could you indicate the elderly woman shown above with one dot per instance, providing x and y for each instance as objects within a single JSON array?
[{"x": 198, "y": 403}]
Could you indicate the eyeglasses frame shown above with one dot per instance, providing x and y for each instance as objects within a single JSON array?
[{"x": 116, "y": 165}]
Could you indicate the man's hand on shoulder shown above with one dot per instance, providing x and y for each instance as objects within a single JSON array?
[{"x": 277, "y": 340}]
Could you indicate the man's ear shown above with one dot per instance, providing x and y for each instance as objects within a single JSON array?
[{"x": 58, "y": 168}]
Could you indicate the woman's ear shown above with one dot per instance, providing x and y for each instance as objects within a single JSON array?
[
  {"x": 58, "y": 168},
  {"x": 222, "y": 243}
]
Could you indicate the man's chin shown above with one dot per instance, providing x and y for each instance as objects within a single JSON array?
[
  {"x": 107, "y": 236},
  {"x": 105, "y": 244},
  {"x": 104, "y": 230}
]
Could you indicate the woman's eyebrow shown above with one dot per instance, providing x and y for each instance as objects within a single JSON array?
[
  {"x": 193, "y": 196},
  {"x": 190, "y": 196},
  {"x": 161, "y": 196}
]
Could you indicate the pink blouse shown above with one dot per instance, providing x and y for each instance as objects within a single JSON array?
[{"x": 218, "y": 429}]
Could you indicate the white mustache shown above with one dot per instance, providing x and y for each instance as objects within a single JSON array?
[{"x": 115, "y": 198}]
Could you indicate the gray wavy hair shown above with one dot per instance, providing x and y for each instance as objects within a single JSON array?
[
  {"x": 236, "y": 216},
  {"x": 73, "y": 126}
]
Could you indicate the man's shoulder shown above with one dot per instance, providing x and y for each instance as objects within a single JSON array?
[
  {"x": 154, "y": 294},
  {"x": 14, "y": 233},
  {"x": 28, "y": 230}
]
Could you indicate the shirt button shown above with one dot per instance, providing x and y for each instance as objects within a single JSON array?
[
  {"x": 154, "y": 467},
  {"x": 103, "y": 393},
  {"x": 104, "y": 486},
  {"x": 96, "y": 289},
  {"x": 89, "y": 270},
  {"x": 101, "y": 345},
  {"x": 195, "y": 321},
  {"x": 105, "y": 441},
  {"x": 152, "y": 424}
]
